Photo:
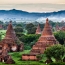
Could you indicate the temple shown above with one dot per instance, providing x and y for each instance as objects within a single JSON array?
[
  {"x": 47, "y": 39},
  {"x": 63, "y": 28},
  {"x": 57, "y": 28},
  {"x": 38, "y": 30},
  {"x": 4, "y": 56},
  {"x": 11, "y": 41}
]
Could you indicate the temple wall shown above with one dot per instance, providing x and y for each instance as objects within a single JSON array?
[{"x": 29, "y": 57}]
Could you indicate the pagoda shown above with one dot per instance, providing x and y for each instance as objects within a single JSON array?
[
  {"x": 10, "y": 34},
  {"x": 63, "y": 28},
  {"x": 38, "y": 30},
  {"x": 46, "y": 39},
  {"x": 11, "y": 41},
  {"x": 57, "y": 28}
]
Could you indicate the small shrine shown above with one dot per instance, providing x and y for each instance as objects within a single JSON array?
[
  {"x": 57, "y": 28},
  {"x": 63, "y": 28},
  {"x": 38, "y": 30}
]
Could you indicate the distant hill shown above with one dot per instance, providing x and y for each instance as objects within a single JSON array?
[{"x": 23, "y": 15}]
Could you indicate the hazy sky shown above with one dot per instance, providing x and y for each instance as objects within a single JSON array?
[{"x": 33, "y": 5}]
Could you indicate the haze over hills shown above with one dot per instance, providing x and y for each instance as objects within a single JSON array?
[{"x": 19, "y": 15}]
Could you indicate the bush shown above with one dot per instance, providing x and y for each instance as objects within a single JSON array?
[
  {"x": 29, "y": 40},
  {"x": 31, "y": 28},
  {"x": 60, "y": 36},
  {"x": 56, "y": 52}
]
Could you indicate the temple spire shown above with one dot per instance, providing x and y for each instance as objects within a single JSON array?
[
  {"x": 38, "y": 30},
  {"x": 47, "y": 28},
  {"x": 10, "y": 33}
]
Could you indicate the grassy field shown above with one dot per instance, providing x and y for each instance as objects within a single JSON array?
[
  {"x": 2, "y": 32},
  {"x": 17, "y": 58}
]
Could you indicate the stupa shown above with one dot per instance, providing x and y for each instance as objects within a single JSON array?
[
  {"x": 57, "y": 28},
  {"x": 11, "y": 40},
  {"x": 38, "y": 30},
  {"x": 47, "y": 39},
  {"x": 10, "y": 36}
]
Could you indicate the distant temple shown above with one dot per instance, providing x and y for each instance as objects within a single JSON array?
[
  {"x": 57, "y": 28},
  {"x": 38, "y": 30},
  {"x": 60, "y": 28},
  {"x": 11, "y": 41},
  {"x": 1, "y": 26},
  {"x": 47, "y": 39},
  {"x": 63, "y": 28}
]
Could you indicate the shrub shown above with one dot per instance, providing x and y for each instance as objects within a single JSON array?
[
  {"x": 29, "y": 40},
  {"x": 56, "y": 51},
  {"x": 60, "y": 36}
]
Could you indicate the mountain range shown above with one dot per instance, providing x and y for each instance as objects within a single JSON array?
[{"x": 20, "y": 15}]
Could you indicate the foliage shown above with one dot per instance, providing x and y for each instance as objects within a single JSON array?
[
  {"x": 52, "y": 23},
  {"x": 42, "y": 58},
  {"x": 0, "y": 37},
  {"x": 56, "y": 51},
  {"x": 30, "y": 28},
  {"x": 19, "y": 34},
  {"x": 1, "y": 22},
  {"x": 60, "y": 36},
  {"x": 29, "y": 40},
  {"x": 57, "y": 63},
  {"x": 2, "y": 34},
  {"x": 18, "y": 29}
]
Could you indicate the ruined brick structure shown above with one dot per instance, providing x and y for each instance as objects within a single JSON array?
[
  {"x": 47, "y": 39},
  {"x": 4, "y": 54},
  {"x": 38, "y": 30},
  {"x": 11, "y": 40},
  {"x": 29, "y": 57}
]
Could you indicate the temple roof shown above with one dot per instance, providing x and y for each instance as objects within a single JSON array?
[
  {"x": 47, "y": 28},
  {"x": 10, "y": 33}
]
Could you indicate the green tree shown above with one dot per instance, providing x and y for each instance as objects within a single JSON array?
[
  {"x": 60, "y": 36},
  {"x": 29, "y": 40},
  {"x": 18, "y": 29},
  {"x": 56, "y": 51},
  {"x": 1, "y": 22},
  {"x": 1, "y": 36},
  {"x": 30, "y": 28}
]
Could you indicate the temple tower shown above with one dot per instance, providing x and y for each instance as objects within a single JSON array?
[
  {"x": 46, "y": 39},
  {"x": 38, "y": 30},
  {"x": 11, "y": 40},
  {"x": 10, "y": 33}
]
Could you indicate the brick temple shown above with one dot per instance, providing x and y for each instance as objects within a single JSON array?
[
  {"x": 4, "y": 56},
  {"x": 11, "y": 41},
  {"x": 46, "y": 39},
  {"x": 38, "y": 30},
  {"x": 63, "y": 28},
  {"x": 57, "y": 28}
]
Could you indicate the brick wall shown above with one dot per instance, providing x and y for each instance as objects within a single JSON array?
[{"x": 29, "y": 57}]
